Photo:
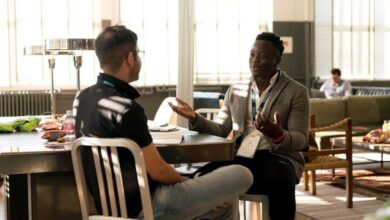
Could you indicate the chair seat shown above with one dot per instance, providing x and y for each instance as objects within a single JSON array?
[
  {"x": 253, "y": 198},
  {"x": 325, "y": 162}
]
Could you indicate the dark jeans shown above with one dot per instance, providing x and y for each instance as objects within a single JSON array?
[{"x": 273, "y": 176}]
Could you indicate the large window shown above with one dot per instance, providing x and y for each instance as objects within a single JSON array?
[
  {"x": 29, "y": 22},
  {"x": 356, "y": 31},
  {"x": 223, "y": 31},
  {"x": 156, "y": 24}
]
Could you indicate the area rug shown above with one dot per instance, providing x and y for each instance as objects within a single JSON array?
[{"x": 371, "y": 182}]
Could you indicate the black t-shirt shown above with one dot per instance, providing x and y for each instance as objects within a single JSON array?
[{"x": 108, "y": 109}]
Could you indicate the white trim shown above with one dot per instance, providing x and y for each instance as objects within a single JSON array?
[{"x": 186, "y": 55}]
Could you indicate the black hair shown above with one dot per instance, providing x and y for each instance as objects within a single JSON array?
[
  {"x": 113, "y": 44},
  {"x": 274, "y": 39},
  {"x": 336, "y": 71}
]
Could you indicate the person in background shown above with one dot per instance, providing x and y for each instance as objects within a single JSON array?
[
  {"x": 335, "y": 87},
  {"x": 269, "y": 117},
  {"x": 109, "y": 109}
]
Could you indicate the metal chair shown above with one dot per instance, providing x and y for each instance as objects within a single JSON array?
[
  {"x": 102, "y": 164},
  {"x": 261, "y": 199}
]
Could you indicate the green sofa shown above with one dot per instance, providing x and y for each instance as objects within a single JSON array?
[{"x": 366, "y": 112}]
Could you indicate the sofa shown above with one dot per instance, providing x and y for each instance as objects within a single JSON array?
[{"x": 366, "y": 112}]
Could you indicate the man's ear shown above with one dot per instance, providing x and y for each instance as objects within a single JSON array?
[
  {"x": 278, "y": 59},
  {"x": 130, "y": 58}
]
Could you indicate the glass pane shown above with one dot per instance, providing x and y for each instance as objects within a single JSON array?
[
  {"x": 206, "y": 49},
  {"x": 228, "y": 50},
  {"x": 205, "y": 11},
  {"x": 4, "y": 44}
]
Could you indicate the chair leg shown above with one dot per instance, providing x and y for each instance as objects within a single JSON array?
[
  {"x": 313, "y": 182},
  {"x": 349, "y": 187},
  {"x": 244, "y": 203},
  {"x": 306, "y": 180},
  {"x": 333, "y": 174}
]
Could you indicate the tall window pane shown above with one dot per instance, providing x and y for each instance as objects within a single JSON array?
[
  {"x": 156, "y": 24},
  {"x": 224, "y": 33}
]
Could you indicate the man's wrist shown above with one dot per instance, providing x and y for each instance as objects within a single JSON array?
[
  {"x": 279, "y": 139},
  {"x": 194, "y": 119}
]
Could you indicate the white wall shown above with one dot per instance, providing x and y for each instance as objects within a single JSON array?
[{"x": 293, "y": 10}]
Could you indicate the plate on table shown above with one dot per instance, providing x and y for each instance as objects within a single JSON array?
[{"x": 56, "y": 145}]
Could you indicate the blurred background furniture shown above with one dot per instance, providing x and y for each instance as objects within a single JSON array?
[
  {"x": 326, "y": 159},
  {"x": 207, "y": 99},
  {"x": 366, "y": 112},
  {"x": 116, "y": 202},
  {"x": 256, "y": 201},
  {"x": 189, "y": 169},
  {"x": 165, "y": 114}
]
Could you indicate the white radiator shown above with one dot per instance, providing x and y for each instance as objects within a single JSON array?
[{"x": 19, "y": 103}]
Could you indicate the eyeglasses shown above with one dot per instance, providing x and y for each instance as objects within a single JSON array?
[{"x": 141, "y": 53}]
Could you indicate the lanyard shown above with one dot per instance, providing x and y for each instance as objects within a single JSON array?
[
  {"x": 110, "y": 84},
  {"x": 261, "y": 106}
]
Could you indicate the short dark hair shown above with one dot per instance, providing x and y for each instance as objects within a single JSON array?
[
  {"x": 336, "y": 71},
  {"x": 274, "y": 39},
  {"x": 112, "y": 44}
]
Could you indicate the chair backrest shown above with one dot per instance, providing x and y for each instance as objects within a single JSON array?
[
  {"x": 209, "y": 113},
  {"x": 102, "y": 158},
  {"x": 346, "y": 123},
  {"x": 165, "y": 114}
]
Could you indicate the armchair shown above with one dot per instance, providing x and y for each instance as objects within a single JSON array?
[{"x": 325, "y": 159}]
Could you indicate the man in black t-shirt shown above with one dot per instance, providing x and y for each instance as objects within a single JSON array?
[{"x": 108, "y": 109}]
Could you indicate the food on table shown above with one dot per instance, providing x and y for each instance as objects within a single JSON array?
[
  {"x": 60, "y": 140},
  {"x": 53, "y": 135},
  {"x": 49, "y": 126},
  {"x": 28, "y": 125},
  {"x": 6, "y": 128},
  {"x": 375, "y": 136},
  {"x": 24, "y": 125}
]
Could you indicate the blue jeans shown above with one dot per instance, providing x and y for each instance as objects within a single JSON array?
[{"x": 195, "y": 198}]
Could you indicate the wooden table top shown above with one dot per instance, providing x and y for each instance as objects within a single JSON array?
[{"x": 28, "y": 153}]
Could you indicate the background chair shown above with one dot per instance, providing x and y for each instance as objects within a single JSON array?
[
  {"x": 189, "y": 169},
  {"x": 325, "y": 159},
  {"x": 165, "y": 114},
  {"x": 102, "y": 164},
  {"x": 209, "y": 113}
]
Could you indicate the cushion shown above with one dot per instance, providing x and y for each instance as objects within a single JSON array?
[
  {"x": 383, "y": 103},
  {"x": 327, "y": 111},
  {"x": 363, "y": 110}
]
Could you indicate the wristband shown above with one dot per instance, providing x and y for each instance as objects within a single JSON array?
[{"x": 279, "y": 139}]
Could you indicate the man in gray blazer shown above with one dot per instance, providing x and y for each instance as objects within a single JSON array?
[{"x": 269, "y": 119}]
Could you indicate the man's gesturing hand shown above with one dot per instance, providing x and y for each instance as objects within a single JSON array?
[
  {"x": 183, "y": 109},
  {"x": 271, "y": 129}
]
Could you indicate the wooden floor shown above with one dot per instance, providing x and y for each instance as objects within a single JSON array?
[{"x": 330, "y": 203}]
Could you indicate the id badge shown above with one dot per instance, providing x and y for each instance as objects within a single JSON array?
[{"x": 248, "y": 146}]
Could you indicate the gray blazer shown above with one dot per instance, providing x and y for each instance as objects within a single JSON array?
[{"x": 288, "y": 97}]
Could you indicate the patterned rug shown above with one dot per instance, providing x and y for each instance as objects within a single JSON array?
[{"x": 373, "y": 182}]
